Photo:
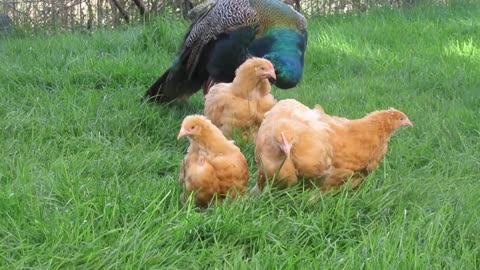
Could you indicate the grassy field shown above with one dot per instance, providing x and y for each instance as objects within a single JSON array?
[{"x": 88, "y": 172}]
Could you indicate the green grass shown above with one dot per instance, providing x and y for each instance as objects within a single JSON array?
[{"x": 88, "y": 172}]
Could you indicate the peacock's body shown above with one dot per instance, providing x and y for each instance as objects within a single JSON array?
[{"x": 224, "y": 36}]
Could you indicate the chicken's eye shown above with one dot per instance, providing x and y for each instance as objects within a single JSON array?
[
  {"x": 193, "y": 127},
  {"x": 402, "y": 118},
  {"x": 262, "y": 68}
]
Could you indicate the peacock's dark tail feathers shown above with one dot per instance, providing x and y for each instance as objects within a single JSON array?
[
  {"x": 175, "y": 84},
  {"x": 154, "y": 92}
]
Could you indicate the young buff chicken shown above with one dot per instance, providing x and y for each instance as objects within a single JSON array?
[
  {"x": 292, "y": 144},
  {"x": 213, "y": 166},
  {"x": 360, "y": 144},
  {"x": 242, "y": 103}
]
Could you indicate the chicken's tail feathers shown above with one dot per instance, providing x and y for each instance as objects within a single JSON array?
[{"x": 319, "y": 108}]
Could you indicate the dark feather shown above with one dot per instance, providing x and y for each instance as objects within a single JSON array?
[{"x": 224, "y": 36}]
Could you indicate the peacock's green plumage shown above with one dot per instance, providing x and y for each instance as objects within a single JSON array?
[{"x": 228, "y": 33}]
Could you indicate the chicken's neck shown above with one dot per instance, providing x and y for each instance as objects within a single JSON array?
[
  {"x": 213, "y": 142},
  {"x": 248, "y": 88},
  {"x": 380, "y": 126}
]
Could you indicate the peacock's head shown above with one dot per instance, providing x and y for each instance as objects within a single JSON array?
[{"x": 289, "y": 69}]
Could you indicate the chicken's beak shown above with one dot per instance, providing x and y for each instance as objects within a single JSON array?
[
  {"x": 407, "y": 123},
  {"x": 269, "y": 74},
  {"x": 182, "y": 133}
]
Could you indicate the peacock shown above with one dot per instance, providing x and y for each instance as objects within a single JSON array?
[{"x": 224, "y": 36}]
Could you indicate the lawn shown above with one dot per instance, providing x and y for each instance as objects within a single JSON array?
[{"x": 88, "y": 171}]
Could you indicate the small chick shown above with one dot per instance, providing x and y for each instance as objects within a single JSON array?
[
  {"x": 360, "y": 144},
  {"x": 293, "y": 143},
  {"x": 242, "y": 103},
  {"x": 213, "y": 166}
]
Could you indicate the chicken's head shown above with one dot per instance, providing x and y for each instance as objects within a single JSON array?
[
  {"x": 399, "y": 119},
  {"x": 263, "y": 68},
  {"x": 192, "y": 126}
]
